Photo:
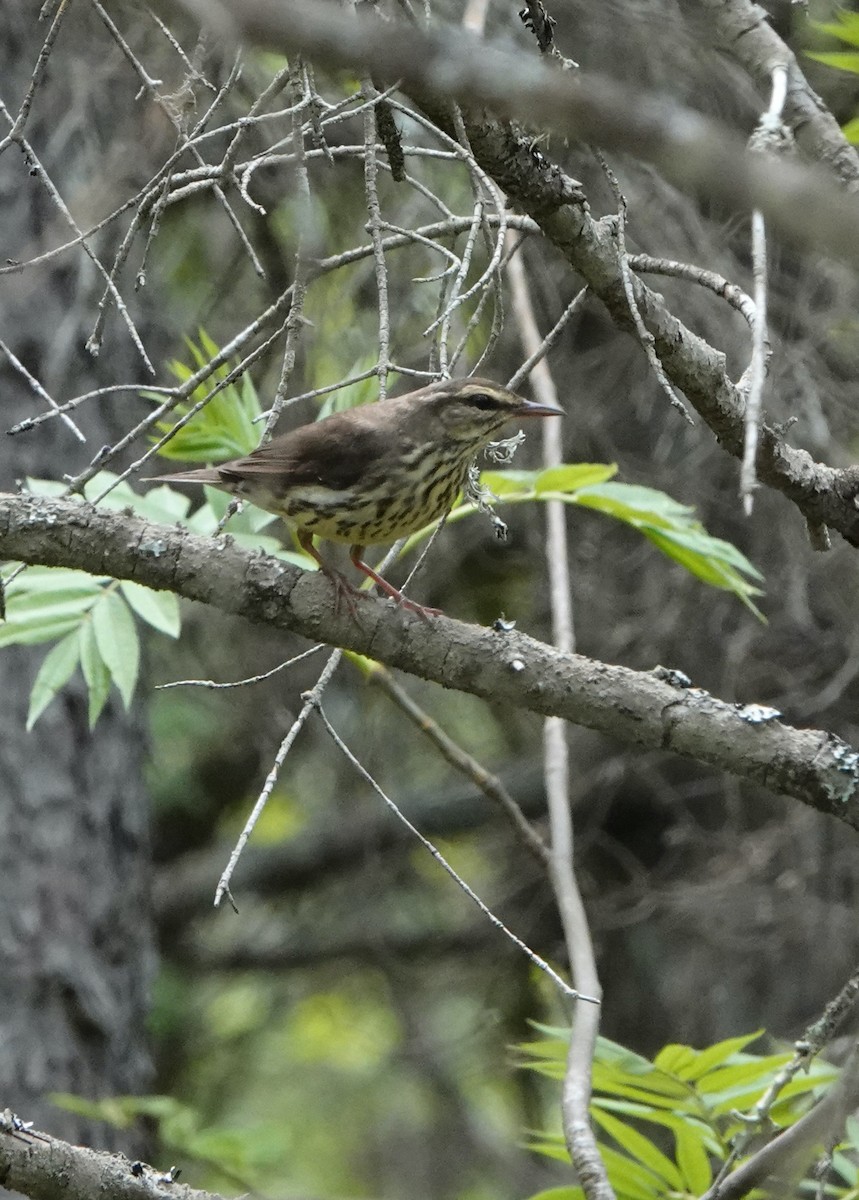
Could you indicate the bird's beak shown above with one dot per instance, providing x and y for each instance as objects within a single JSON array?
[{"x": 528, "y": 408}]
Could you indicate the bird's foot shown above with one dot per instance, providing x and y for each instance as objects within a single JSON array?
[
  {"x": 422, "y": 610},
  {"x": 345, "y": 594},
  {"x": 389, "y": 589}
]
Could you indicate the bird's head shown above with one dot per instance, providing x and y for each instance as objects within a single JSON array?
[{"x": 472, "y": 411}]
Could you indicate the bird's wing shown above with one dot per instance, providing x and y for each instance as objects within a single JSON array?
[{"x": 335, "y": 453}]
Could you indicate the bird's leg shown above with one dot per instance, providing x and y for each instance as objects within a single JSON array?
[
  {"x": 344, "y": 592},
  {"x": 355, "y": 553}
]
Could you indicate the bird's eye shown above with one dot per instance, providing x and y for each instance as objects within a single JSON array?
[{"x": 483, "y": 400}]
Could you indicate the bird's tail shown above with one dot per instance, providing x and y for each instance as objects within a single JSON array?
[{"x": 201, "y": 475}]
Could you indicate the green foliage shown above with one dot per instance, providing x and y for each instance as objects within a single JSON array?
[
  {"x": 845, "y": 28},
  {"x": 363, "y": 391},
  {"x": 222, "y": 429},
  {"x": 686, "y": 1101},
  {"x": 669, "y": 525},
  {"x": 92, "y": 616}
]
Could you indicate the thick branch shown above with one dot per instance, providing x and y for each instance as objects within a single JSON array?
[
  {"x": 687, "y": 148},
  {"x": 742, "y": 28},
  {"x": 825, "y": 496},
  {"x": 637, "y": 707},
  {"x": 46, "y": 1169}
]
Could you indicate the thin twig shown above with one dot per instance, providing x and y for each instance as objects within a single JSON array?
[
  {"x": 648, "y": 342},
  {"x": 14, "y": 134},
  {"x": 295, "y": 321},
  {"x": 37, "y": 169},
  {"x": 34, "y": 384},
  {"x": 565, "y": 989},
  {"x": 311, "y": 701},
  {"x": 210, "y": 683},
  {"x": 645, "y": 264},
  {"x": 460, "y": 759},
  {"x": 768, "y": 136},
  {"x": 546, "y": 343},
  {"x": 576, "y": 1091},
  {"x": 374, "y": 227}
]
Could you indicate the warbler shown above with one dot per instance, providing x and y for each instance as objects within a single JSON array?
[{"x": 375, "y": 473}]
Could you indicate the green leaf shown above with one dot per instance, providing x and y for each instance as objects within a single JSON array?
[
  {"x": 46, "y": 487},
  {"x": 249, "y": 519},
  {"x": 504, "y": 484},
  {"x": 53, "y": 603},
  {"x": 846, "y": 29},
  {"x": 639, "y": 1146},
  {"x": 655, "y": 1087},
  {"x": 631, "y": 1179},
  {"x": 55, "y": 672},
  {"x": 550, "y": 1147},
  {"x": 572, "y": 477},
  {"x": 846, "y": 1169},
  {"x": 635, "y": 504},
  {"x": 31, "y": 634},
  {"x": 559, "y": 1193},
  {"x": 718, "y": 1054},
  {"x": 118, "y": 645},
  {"x": 742, "y": 1097},
  {"x": 669, "y": 525},
  {"x": 224, "y": 427},
  {"x": 95, "y": 671},
  {"x": 722, "y": 1081},
  {"x": 158, "y": 609},
  {"x": 54, "y": 579},
  {"x": 673, "y": 1059},
  {"x": 621, "y": 1058},
  {"x": 672, "y": 1120},
  {"x": 162, "y": 504},
  {"x": 693, "y": 1161},
  {"x": 564, "y": 479},
  {"x": 844, "y": 60},
  {"x": 364, "y": 391},
  {"x": 34, "y": 615}
]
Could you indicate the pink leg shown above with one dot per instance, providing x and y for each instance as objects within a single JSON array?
[
  {"x": 344, "y": 592},
  {"x": 355, "y": 554}
]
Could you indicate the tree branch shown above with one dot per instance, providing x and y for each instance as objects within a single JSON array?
[
  {"x": 642, "y": 708},
  {"x": 47, "y": 1169},
  {"x": 784, "y": 1158},
  {"x": 742, "y": 28},
  {"x": 690, "y": 150}
]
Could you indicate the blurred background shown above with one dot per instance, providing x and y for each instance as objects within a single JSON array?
[{"x": 350, "y": 1032}]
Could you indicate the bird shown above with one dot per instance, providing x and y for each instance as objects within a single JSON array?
[{"x": 372, "y": 474}]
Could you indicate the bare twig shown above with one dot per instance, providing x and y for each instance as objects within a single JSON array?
[
  {"x": 770, "y": 134},
  {"x": 576, "y": 1092},
  {"x": 374, "y": 226},
  {"x": 564, "y": 988},
  {"x": 36, "y": 387},
  {"x": 295, "y": 321},
  {"x": 311, "y": 701},
  {"x": 211, "y": 684},
  {"x": 460, "y": 759},
  {"x": 646, "y": 338}
]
